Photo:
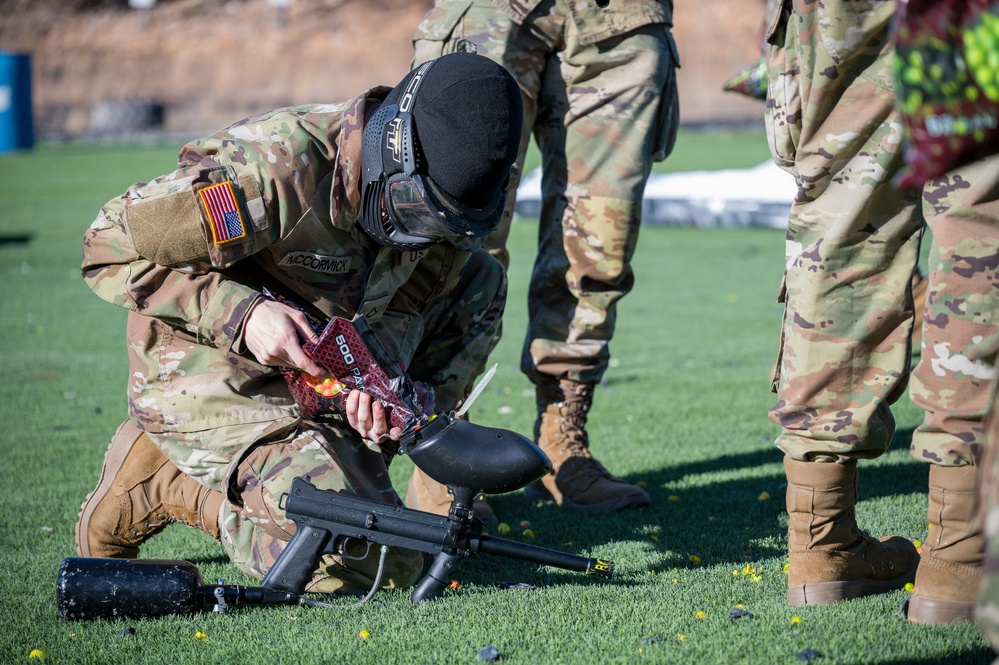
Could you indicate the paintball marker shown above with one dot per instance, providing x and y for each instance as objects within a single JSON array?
[{"x": 470, "y": 460}]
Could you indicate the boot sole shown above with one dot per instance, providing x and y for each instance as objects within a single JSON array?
[
  {"x": 532, "y": 493},
  {"x": 828, "y": 593},
  {"x": 112, "y": 464},
  {"x": 613, "y": 505},
  {"x": 932, "y": 612}
]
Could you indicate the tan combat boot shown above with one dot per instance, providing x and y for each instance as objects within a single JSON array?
[
  {"x": 577, "y": 480},
  {"x": 140, "y": 491},
  {"x": 950, "y": 570},
  {"x": 426, "y": 494},
  {"x": 830, "y": 558}
]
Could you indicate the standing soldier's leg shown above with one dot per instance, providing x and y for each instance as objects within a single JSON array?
[
  {"x": 852, "y": 245},
  {"x": 954, "y": 382},
  {"x": 605, "y": 113},
  {"x": 521, "y": 49},
  {"x": 523, "y": 52}
]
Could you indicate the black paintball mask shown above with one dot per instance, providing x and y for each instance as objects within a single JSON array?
[{"x": 401, "y": 206}]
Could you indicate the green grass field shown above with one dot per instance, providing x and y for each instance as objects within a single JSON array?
[{"x": 682, "y": 412}]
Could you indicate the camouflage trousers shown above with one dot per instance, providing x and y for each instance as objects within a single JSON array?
[
  {"x": 461, "y": 331},
  {"x": 601, "y": 114},
  {"x": 987, "y": 612},
  {"x": 853, "y": 241}
]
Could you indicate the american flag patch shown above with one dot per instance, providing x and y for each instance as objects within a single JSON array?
[{"x": 223, "y": 212}]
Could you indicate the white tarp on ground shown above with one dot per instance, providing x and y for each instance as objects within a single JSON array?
[{"x": 760, "y": 196}]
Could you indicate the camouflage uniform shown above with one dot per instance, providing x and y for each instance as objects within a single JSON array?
[
  {"x": 852, "y": 248},
  {"x": 853, "y": 243},
  {"x": 987, "y": 612},
  {"x": 599, "y": 95},
  {"x": 220, "y": 416}
]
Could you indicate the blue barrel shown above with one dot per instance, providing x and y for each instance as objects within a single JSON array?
[{"x": 17, "y": 131}]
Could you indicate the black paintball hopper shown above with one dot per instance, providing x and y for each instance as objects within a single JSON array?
[{"x": 457, "y": 453}]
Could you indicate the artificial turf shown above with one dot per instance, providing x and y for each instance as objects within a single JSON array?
[{"x": 699, "y": 575}]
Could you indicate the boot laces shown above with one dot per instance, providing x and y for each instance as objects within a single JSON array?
[
  {"x": 152, "y": 527},
  {"x": 572, "y": 430}
]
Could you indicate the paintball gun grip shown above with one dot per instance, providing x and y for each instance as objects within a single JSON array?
[
  {"x": 294, "y": 568},
  {"x": 439, "y": 576}
]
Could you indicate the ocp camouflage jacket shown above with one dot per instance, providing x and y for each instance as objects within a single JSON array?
[{"x": 269, "y": 202}]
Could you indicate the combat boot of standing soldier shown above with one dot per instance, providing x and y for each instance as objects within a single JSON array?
[{"x": 577, "y": 480}]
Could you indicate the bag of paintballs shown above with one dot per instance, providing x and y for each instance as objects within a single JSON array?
[
  {"x": 946, "y": 67},
  {"x": 355, "y": 359},
  {"x": 751, "y": 80}
]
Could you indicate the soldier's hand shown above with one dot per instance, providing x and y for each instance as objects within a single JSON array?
[
  {"x": 368, "y": 416},
  {"x": 274, "y": 333}
]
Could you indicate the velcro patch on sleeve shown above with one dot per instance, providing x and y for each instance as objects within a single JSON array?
[
  {"x": 167, "y": 229},
  {"x": 225, "y": 219}
]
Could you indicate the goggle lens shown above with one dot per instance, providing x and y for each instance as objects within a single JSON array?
[{"x": 411, "y": 211}]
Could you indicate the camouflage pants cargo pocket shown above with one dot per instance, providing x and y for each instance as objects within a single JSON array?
[
  {"x": 669, "y": 106},
  {"x": 783, "y": 108}
]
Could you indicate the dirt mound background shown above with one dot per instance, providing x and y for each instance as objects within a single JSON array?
[{"x": 197, "y": 65}]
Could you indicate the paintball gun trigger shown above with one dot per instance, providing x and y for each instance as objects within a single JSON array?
[{"x": 343, "y": 549}]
